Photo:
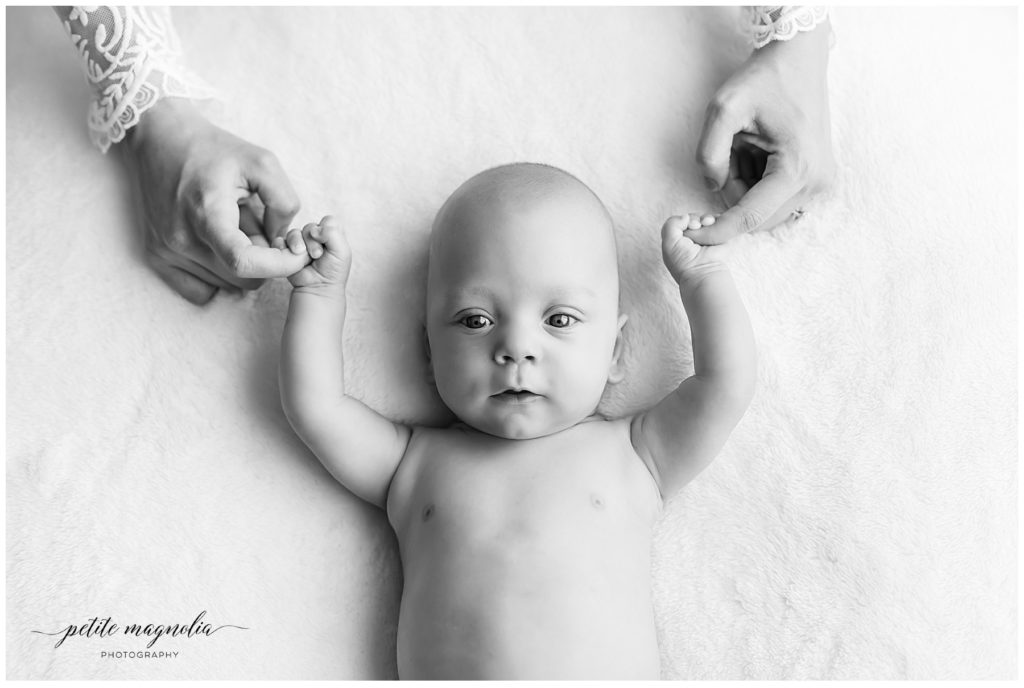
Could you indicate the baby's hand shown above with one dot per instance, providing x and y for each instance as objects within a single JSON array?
[
  {"x": 326, "y": 245},
  {"x": 687, "y": 261}
]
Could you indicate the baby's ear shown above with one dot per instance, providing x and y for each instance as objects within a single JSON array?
[
  {"x": 617, "y": 372},
  {"x": 426, "y": 350}
]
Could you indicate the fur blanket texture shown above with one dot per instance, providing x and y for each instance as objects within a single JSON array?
[{"x": 860, "y": 522}]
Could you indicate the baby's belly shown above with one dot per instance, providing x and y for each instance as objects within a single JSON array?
[{"x": 519, "y": 589}]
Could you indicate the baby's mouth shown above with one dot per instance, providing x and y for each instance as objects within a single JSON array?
[{"x": 516, "y": 396}]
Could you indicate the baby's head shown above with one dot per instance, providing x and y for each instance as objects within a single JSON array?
[{"x": 523, "y": 322}]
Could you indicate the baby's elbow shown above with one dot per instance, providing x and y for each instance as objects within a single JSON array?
[
  {"x": 737, "y": 405},
  {"x": 736, "y": 395},
  {"x": 293, "y": 416},
  {"x": 746, "y": 382},
  {"x": 299, "y": 413},
  {"x": 746, "y": 388},
  {"x": 736, "y": 384}
]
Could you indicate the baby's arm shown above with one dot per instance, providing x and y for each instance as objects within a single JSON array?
[
  {"x": 358, "y": 446},
  {"x": 680, "y": 436}
]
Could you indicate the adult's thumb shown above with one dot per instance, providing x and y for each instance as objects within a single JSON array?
[{"x": 751, "y": 213}]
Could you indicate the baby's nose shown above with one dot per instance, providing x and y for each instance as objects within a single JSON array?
[
  {"x": 505, "y": 359},
  {"x": 515, "y": 346}
]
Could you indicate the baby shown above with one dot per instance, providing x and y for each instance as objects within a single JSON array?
[{"x": 525, "y": 528}]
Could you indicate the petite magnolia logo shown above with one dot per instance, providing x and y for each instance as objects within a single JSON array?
[{"x": 105, "y": 627}]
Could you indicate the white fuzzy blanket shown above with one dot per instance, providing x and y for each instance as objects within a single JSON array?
[{"x": 861, "y": 522}]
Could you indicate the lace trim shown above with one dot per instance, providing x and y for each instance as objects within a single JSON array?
[
  {"x": 782, "y": 22},
  {"x": 132, "y": 58}
]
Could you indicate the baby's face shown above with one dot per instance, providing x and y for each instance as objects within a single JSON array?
[{"x": 522, "y": 313}]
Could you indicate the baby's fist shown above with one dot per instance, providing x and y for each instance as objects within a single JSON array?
[
  {"x": 326, "y": 245},
  {"x": 683, "y": 258}
]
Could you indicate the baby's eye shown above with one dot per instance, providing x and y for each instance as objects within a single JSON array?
[
  {"x": 476, "y": 321},
  {"x": 561, "y": 320}
]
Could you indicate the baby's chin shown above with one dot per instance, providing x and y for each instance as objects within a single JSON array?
[{"x": 519, "y": 428}]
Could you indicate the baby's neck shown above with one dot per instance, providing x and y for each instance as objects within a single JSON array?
[{"x": 462, "y": 426}]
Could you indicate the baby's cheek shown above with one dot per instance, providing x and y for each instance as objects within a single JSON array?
[
  {"x": 444, "y": 379},
  {"x": 585, "y": 378},
  {"x": 455, "y": 381}
]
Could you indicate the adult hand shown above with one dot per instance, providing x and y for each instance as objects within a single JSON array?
[
  {"x": 210, "y": 202},
  {"x": 766, "y": 143}
]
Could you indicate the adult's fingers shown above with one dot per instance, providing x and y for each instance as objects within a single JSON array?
[
  {"x": 251, "y": 225},
  {"x": 736, "y": 187},
  {"x": 178, "y": 246},
  {"x": 249, "y": 220},
  {"x": 205, "y": 265},
  {"x": 189, "y": 286},
  {"x": 218, "y": 227},
  {"x": 203, "y": 269},
  {"x": 775, "y": 190},
  {"x": 733, "y": 191},
  {"x": 267, "y": 178},
  {"x": 723, "y": 119},
  {"x": 259, "y": 240},
  {"x": 192, "y": 250}
]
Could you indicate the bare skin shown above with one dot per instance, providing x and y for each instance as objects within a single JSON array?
[
  {"x": 525, "y": 559},
  {"x": 525, "y": 529}
]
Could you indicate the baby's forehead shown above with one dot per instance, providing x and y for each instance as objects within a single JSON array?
[
  {"x": 509, "y": 199},
  {"x": 529, "y": 225},
  {"x": 556, "y": 238}
]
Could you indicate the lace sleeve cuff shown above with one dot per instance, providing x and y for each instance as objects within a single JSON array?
[
  {"x": 132, "y": 58},
  {"x": 782, "y": 22}
]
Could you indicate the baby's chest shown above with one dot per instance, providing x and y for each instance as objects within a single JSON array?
[{"x": 488, "y": 488}]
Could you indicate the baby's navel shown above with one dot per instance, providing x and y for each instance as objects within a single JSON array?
[
  {"x": 597, "y": 501},
  {"x": 428, "y": 511}
]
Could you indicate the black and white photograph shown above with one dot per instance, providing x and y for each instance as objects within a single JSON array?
[{"x": 512, "y": 342}]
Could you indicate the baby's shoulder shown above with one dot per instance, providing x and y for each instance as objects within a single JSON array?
[
  {"x": 613, "y": 439},
  {"x": 617, "y": 429},
  {"x": 425, "y": 445},
  {"x": 433, "y": 439}
]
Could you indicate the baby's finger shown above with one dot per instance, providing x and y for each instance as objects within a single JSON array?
[
  {"x": 329, "y": 231},
  {"x": 294, "y": 241},
  {"x": 279, "y": 243},
  {"x": 314, "y": 247},
  {"x": 333, "y": 237},
  {"x": 673, "y": 228},
  {"x": 675, "y": 231}
]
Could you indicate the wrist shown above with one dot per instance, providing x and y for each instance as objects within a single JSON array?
[
  {"x": 817, "y": 39},
  {"x": 803, "y": 50},
  {"x": 333, "y": 292},
  {"x": 776, "y": 24},
  {"x": 691, "y": 278},
  {"x": 168, "y": 116},
  {"x": 801, "y": 59}
]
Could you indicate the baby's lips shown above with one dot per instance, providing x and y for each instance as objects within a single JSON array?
[
  {"x": 521, "y": 396},
  {"x": 512, "y": 387}
]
